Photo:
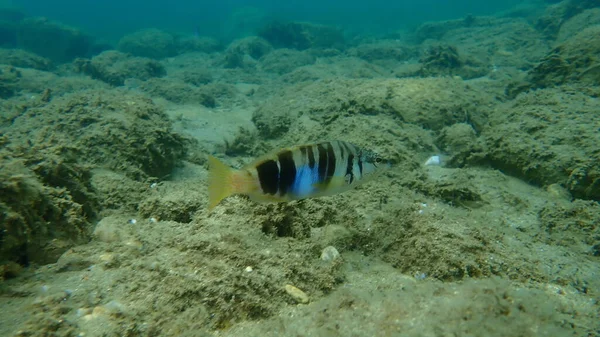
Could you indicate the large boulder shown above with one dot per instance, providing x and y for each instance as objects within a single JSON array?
[
  {"x": 114, "y": 67},
  {"x": 55, "y": 41},
  {"x": 540, "y": 138},
  {"x": 50, "y": 153},
  {"x": 299, "y": 35},
  {"x": 24, "y": 59},
  {"x": 151, "y": 43}
]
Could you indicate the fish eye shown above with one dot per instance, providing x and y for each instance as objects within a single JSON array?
[{"x": 378, "y": 160}]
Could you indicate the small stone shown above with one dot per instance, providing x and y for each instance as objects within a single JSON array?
[
  {"x": 298, "y": 295},
  {"x": 330, "y": 254},
  {"x": 248, "y": 269}
]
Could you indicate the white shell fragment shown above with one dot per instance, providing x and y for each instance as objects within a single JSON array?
[
  {"x": 330, "y": 254},
  {"x": 297, "y": 294},
  {"x": 434, "y": 161}
]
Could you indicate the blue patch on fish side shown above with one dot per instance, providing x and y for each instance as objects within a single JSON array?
[{"x": 305, "y": 180}]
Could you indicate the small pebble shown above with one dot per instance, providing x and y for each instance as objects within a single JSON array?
[
  {"x": 298, "y": 295},
  {"x": 248, "y": 269},
  {"x": 330, "y": 254},
  {"x": 132, "y": 221},
  {"x": 153, "y": 220}
]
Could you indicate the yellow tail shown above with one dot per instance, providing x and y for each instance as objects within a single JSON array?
[{"x": 220, "y": 184}]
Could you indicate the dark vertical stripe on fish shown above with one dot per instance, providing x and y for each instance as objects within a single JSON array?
[
  {"x": 311, "y": 157},
  {"x": 348, "y": 147},
  {"x": 360, "y": 164},
  {"x": 330, "y": 161},
  {"x": 350, "y": 167},
  {"x": 268, "y": 175},
  {"x": 322, "y": 162},
  {"x": 287, "y": 175}
]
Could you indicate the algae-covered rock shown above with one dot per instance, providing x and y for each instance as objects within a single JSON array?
[
  {"x": 178, "y": 91},
  {"x": 482, "y": 44},
  {"x": 23, "y": 59},
  {"x": 9, "y": 79},
  {"x": 254, "y": 46},
  {"x": 541, "y": 139},
  {"x": 57, "y": 42},
  {"x": 176, "y": 201},
  {"x": 151, "y": 43},
  {"x": 283, "y": 61},
  {"x": 37, "y": 85},
  {"x": 382, "y": 50},
  {"x": 194, "y": 44},
  {"x": 272, "y": 122},
  {"x": 576, "y": 60},
  {"x": 461, "y": 143},
  {"x": 431, "y": 103},
  {"x": 45, "y": 208},
  {"x": 299, "y": 35},
  {"x": 444, "y": 60},
  {"x": 48, "y": 159},
  {"x": 577, "y": 23},
  {"x": 244, "y": 53},
  {"x": 558, "y": 14},
  {"x": 575, "y": 225},
  {"x": 111, "y": 129},
  {"x": 196, "y": 76},
  {"x": 437, "y": 29},
  {"x": 114, "y": 67}
]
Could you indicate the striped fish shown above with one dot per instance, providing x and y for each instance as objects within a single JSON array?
[{"x": 295, "y": 173}]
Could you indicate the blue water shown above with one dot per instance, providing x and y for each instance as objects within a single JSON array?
[{"x": 110, "y": 19}]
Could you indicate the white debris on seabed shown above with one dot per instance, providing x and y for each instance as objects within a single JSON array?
[
  {"x": 330, "y": 254},
  {"x": 422, "y": 207},
  {"x": 434, "y": 161}
]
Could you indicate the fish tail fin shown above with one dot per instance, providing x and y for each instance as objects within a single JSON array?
[
  {"x": 224, "y": 181},
  {"x": 220, "y": 184}
]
